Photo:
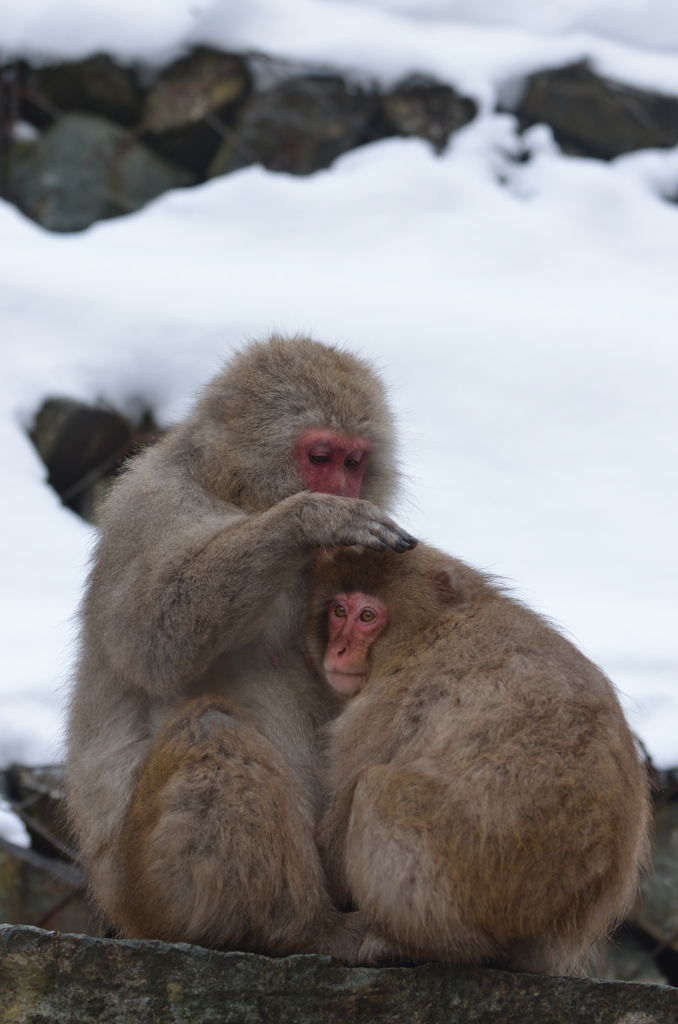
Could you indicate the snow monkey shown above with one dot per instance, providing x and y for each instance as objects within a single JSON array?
[
  {"x": 487, "y": 802},
  {"x": 193, "y": 768}
]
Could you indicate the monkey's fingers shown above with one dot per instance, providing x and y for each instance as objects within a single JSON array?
[
  {"x": 372, "y": 542},
  {"x": 359, "y": 537},
  {"x": 329, "y": 520},
  {"x": 377, "y": 537},
  {"x": 391, "y": 535}
]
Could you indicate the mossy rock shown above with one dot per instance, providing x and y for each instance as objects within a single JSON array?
[
  {"x": 84, "y": 169},
  {"x": 45, "y": 976},
  {"x": 433, "y": 111},
  {"x": 192, "y": 104}
]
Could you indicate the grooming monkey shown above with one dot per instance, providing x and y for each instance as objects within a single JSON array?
[
  {"x": 193, "y": 768},
  {"x": 488, "y": 805}
]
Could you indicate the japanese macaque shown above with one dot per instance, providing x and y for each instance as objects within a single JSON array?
[
  {"x": 194, "y": 786},
  {"x": 487, "y": 802}
]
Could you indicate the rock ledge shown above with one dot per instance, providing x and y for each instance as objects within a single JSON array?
[{"x": 69, "y": 979}]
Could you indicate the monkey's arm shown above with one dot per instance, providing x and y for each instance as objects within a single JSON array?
[{"x": 200, "y": 589}]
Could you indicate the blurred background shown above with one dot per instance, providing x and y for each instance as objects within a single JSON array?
[{"x": 481, "y": 196}]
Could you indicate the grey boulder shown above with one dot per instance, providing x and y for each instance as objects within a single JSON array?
[
  {"x": 97, "y": 85},
  {"x": 85, "y": 168},
  {"x": 300, "y": 126},
  {"x": 593, "y": 116}
]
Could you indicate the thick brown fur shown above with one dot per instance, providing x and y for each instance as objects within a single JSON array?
[
  {"x": 487, "y": 802},
  {"x": 193, "y": 768}
]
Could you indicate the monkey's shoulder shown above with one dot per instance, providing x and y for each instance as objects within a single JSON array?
[{"x": 487, "y": 649}]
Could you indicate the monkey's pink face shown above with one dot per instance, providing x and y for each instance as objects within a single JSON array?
[
  {"x": 331, "y": 463},
  {"x": 355, "y": 622}
]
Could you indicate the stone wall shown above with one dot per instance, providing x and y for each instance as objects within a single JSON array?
[{"x": 87, "y": 140}]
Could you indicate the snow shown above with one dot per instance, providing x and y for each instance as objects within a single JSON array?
[
  {"x": 12, "y": 828},
  {"x": 472, "y": 43},
  {"x": 523, "y": 314}
]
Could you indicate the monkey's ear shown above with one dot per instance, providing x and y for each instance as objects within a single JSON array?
[{"x": 445, "y": 589}]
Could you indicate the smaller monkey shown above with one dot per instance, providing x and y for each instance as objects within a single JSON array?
[{"x": 487, "y": 804}]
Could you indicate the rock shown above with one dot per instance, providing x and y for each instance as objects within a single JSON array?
[
  {"x": 593, "y": 116},
  {"x": 192, "y": 104},
  {"x": 79, "y": 444},
  {"x": 84, "y": 169},
  {"x": 205, "y": 82},
  {"x": 424, "y": 107},
  {"x": 70, "y": 978},
  {"x": 625, "y": 958},
  {"x": 300, "y": 126},
  {"x": 83, "y": 448},
  {"x": 657, "y": 909},
  {"x": 94, "y": 86}
]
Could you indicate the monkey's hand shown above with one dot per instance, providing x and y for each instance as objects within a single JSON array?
[{"x": 327, "y": 520}]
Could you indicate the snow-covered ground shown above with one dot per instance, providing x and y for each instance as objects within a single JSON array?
[{"x": 524, "y": 314}]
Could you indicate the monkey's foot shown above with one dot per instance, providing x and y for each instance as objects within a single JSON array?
[{"x": 376, "y": 951}]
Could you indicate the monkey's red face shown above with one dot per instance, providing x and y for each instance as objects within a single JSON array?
[
  {"x": 331, "y": 463},
  {"x": 355, "y": 622}
]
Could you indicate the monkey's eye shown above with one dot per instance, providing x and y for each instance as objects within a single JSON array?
[
  {"x": 318, "y": 459},
  {"x": 340, "y": 611},
  {"x": 351, "y": 463},
  {"x": 368, "y": 615}
]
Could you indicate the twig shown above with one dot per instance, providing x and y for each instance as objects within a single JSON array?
[
  {"x": 59, "y": 905},
  {"x": 32, "y": 823},
  {"x": 664, "y": 944}
]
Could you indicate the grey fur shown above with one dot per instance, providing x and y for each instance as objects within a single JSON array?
[{"x": 198, "y": 587}]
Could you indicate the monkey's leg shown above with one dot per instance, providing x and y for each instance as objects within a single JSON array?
[
  {"x": 546, "y": 954},
  {"x": 218, "y": 845},
  {"x": 401, "y": 862}
]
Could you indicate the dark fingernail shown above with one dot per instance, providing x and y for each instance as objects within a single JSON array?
[{"x": 412, "y": 543}]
